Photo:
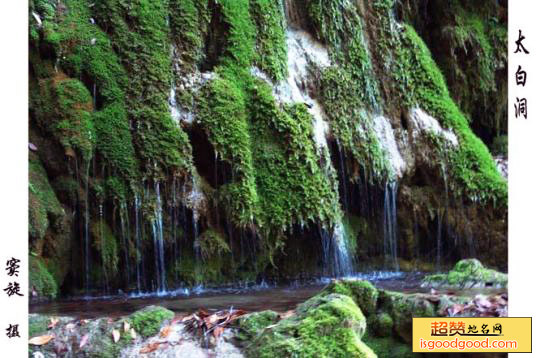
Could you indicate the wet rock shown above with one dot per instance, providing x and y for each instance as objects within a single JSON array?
[
  {"x": 324, "y": 326},
  {"x": 363, "y": 293},
  {"x": 469, "y": 273}
]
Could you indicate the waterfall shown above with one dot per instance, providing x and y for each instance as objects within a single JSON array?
[
  {"x": 138, "y": 248},
  {"x": 86, "y": 231},
  {"x": 158, "y": 241},
  {"x": 390, "y": 225},
  {"x": 125, "y": 237},
  {"x": 337, "y": 260}
]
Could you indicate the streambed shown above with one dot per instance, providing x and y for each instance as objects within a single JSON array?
[{"x": 256, "y": 298}]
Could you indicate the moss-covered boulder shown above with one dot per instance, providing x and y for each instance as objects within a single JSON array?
[
  {"x": 469, "y": 273},
  {"x": 253, "y": 323},
  {"x": 149, "y": 320},
  {"x": 389, "y": 347},
  {"x": 363, "y": 293},
  {"x": 402, "y": 308},
  {"x": 42, "y": 282},
  {"x": 381, "y": 324},
  {"x": 324, "y": 326}
]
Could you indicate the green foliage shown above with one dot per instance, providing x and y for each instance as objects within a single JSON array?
[
  {"x": 41, "y": 280},
  {"x": 148, "y": 321},
  {"x": 271, "y": 44}
]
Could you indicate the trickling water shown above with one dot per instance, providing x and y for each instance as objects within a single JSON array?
[
  {"x": 337, "y": 260},
  {"x": 86, "y": 231},
  {"x": 138, "y": 248},
  {"x": 125, "y": 237},
  {"x": 158, "y": 241},
  {"x": 390, "y": 225}
]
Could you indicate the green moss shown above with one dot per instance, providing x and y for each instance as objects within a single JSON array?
[
  {"x": 381, "y": 324},
  {"x": 149, "y": 320},
  {"x": 254, "y": 323},
  {"x": 363, "y": 293},
  {"x": 43, "y": 204},
  {"x": 38, "y": 324},
  {"x": 324, "y": 326},
  {"x": 402, "y": 308},
  {"x": 271, "y": 44},
  {"x": 467, "y": 273},
  {"x": 41, "y": 280},
  {"x": 188, "y": 22},
  {"x": 472, "y": 163},
  {"x": 140, "y": 34},
  {"x": 213, "y": 243},
  {"x": 389, "y": 347},
  {"x": 106, "y": 244}
]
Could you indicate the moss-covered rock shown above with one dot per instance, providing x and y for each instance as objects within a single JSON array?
[
  {"x": 362, "y": 292},
  {"x": 381, "y": 324},
  {"x": 254, "y": 323},
  {"x": 41, "y": 280},
  {"x": 402, "y": 308},
  {"x": 467, "y": 274},
  {"x": 324, "y": 326},
  {"x": 149, "y": 320},
  {"x": 389, "y": 347}
]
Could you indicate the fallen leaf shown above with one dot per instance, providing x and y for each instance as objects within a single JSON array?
[
  {"x": 151, "y": 347},
  {"x": 83, "y": 341},
  {"x": 165, "y": 331},
  {"x": 133, "y": 333},
  {"x": 53, "y": 322},
  {"x": 41, "y": 340},
  {"x": 116, "y": 335},
  {"x": 126, "y": 326}
]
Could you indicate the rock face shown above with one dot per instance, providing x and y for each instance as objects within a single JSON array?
[{"x": 180, "y": 143}]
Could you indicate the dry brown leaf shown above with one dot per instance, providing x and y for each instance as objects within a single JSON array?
[
  {"x": 126, "y": 326},
  {"x": 164, "y": 332},
  {"x": 83, "y": 341},
  {"x": 116, "y": 335},
  {"x": 41, "y": 340},
  {"x": 53, "y": 322},
  {"x": 151, "y": 347}
]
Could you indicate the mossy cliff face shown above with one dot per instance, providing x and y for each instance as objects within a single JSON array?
[{"x": 206, "y": 142}]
